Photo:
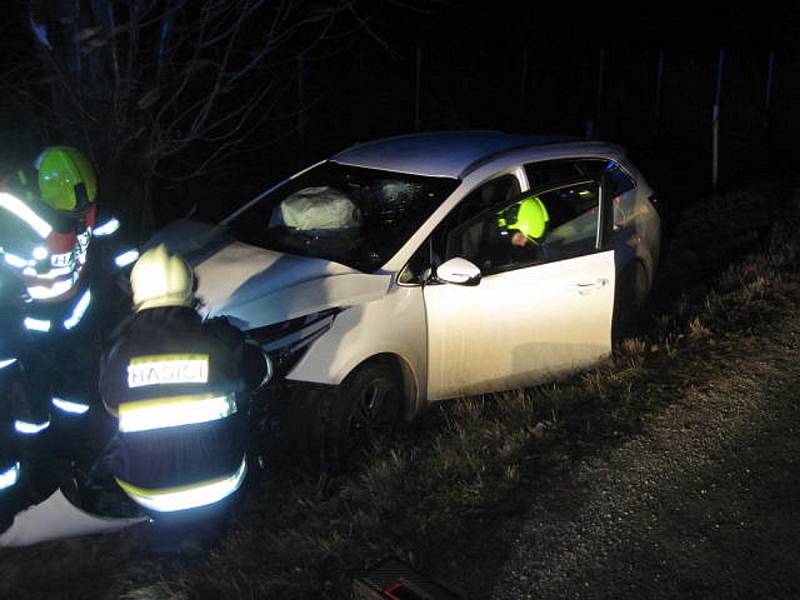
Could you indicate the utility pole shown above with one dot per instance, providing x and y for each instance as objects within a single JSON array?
[
  {"x": 523, "y": 84},
  {"x": 301, "y": 110},
  {"x": 659, "y": 82},
  {"x": 768, "y": 95},
  {"x": 417, "y": 113},
  {"x": 715, "y": 125},
  {"x": 600, "y": 82}
]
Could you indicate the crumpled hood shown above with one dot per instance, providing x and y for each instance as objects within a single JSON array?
[{"x": 257, "y": 287}]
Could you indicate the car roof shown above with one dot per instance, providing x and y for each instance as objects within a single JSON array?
[{"x": 443, "y": 154}]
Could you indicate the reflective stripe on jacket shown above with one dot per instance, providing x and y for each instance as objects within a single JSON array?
[
  {"x": 160, "y": 413},
  {"x": 195, "y": 495},
  {"x": 9, "y": 475}
]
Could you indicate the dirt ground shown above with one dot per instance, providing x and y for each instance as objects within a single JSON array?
[{"x": 703, "y": 503}]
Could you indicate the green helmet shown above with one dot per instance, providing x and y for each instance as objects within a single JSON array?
[
  {"x": 66, "y": 178},
  {"x": 531, "y": 218}
]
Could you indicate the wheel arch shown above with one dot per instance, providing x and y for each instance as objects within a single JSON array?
[{"x": 412, "y": 400}]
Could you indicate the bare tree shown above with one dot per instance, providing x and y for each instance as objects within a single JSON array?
[{"x": 167, "y": 88}]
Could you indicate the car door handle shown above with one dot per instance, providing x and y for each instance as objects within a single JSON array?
[{"x": 588, "y": 287}]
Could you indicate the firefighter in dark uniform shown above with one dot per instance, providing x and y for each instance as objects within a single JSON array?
[
  {"x": 24, "y": 409},
  {"x": 11, "y": 462},
  {"x": 178, "y": 385}
]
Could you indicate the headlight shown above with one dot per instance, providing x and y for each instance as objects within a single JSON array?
[{"x": 288, "y": 341}]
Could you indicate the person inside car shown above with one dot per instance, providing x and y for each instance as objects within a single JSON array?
[{"x": 528, "y": 225}]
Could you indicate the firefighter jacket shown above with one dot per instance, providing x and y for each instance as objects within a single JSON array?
[
  {"x": 24, "y": 399},
  {"x": 49, "y": 250},
  {"x": 175, "y": 384},
  {"x": 24, "y": 379},
  {"x": 10, "y": 460}
]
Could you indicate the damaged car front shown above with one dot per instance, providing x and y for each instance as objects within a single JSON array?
[{"x": 301, "y": 270}]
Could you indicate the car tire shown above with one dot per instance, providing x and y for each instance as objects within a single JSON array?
[
  {"x": 630, "y": 298},
  {"x": 369, "y": 404}
]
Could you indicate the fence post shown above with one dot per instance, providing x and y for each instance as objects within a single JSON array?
[
  {"x": 770, "y": 75},
  {"x": 715, "y": 125},
  {"x": 523, "y": 83},
  {"x": 417, "y": 114},
  {"x": 600, "y": 76},
  {"x": 301, "y": 109},
  {"x": 659, "y": 82}
]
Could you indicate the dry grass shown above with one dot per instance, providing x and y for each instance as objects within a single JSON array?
[
  {"x": 417, "y": 494},
  {"x": 482, "y": 456}
]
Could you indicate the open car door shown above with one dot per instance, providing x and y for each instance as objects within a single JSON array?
[{"x": 545, "y": 301}]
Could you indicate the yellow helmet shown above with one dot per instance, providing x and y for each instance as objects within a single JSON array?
[
  {"x": 531, "y": 218},
  {"x": 67, "y": 181},
  {"x": 160, "y": 279}
]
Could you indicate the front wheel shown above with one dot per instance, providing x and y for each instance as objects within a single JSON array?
[{"x": 369, "y": 404}]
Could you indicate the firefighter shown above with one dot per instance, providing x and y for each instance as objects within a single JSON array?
[
  {"x": 528, "y": 225},
  {"x": 48, "y": 219},
  {"x": 67, "y": 183},
  {"x": 177, "y": 386},
  {"x": 24, "y": 409},
  {"x": 58, "y": 202}
]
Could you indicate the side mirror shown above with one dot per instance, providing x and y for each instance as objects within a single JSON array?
[{"x": 459, "y": 271}]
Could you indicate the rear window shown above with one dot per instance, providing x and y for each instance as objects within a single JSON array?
[{"x": 618, "y": 180}]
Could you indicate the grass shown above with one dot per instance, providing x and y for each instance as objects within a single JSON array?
[
  {"x": 480, "y": 458},
  {"x": 468, "y": 464}
]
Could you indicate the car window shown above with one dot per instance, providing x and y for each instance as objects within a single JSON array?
[
  {"x": 418, "y": 267},
  {"x": 558, "y": 224},
  {"x": 618, "y": 181},
  {"x": 491, "y": 193},
  {"x": 355, "y": 216},
  {"x": 548, "y": 171}
]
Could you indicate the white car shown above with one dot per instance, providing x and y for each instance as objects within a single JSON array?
[{"x": 413, "y": 269}]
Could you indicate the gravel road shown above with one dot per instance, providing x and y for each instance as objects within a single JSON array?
[{"x": 703, "y": 503}]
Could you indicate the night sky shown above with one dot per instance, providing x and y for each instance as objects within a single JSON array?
[{"x": 532, "y": 68}]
